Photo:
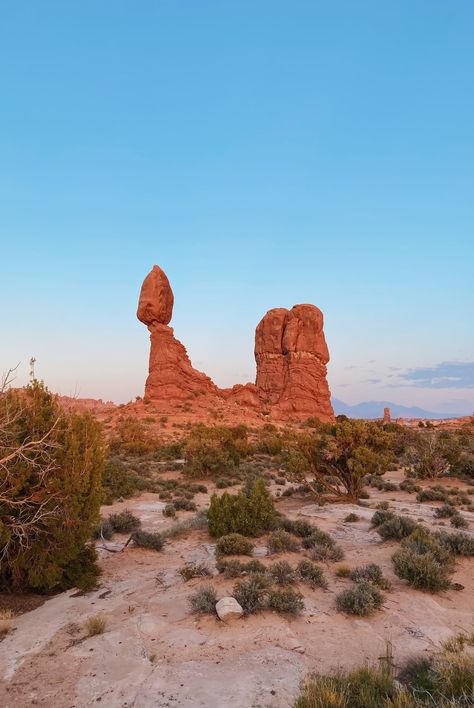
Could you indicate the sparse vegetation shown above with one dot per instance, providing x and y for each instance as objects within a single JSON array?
[
  {"x": 363, "y": 599},
  {"x": 282, "y": 573},
  {"x": 372, "y": 573},
  {"x": 203, "y": 602},
  {"x": 252, "y": 593},
  {"x": 6, "y": 621},
  {"x": 311, "y": 574},
  {"x": 96, "y": 625},
  {"x": 234, "y": 544},
  {"x": 280, "y": 540},
  {"x": 194, "y": 570},
  {"x": 245, "y": 513},
  {"x": 285, "y": 601},
  {"x": 351, "y": 518},
  {"x": 424, "y": 562},
  {"x": 148, "y": 539}
]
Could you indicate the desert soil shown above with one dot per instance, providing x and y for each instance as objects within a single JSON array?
[{"x": 154, "y": 653}]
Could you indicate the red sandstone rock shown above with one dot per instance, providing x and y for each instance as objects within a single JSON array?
[
  {"x": 171, "y": 375},
  {"x": 155, "y": 305},
  {"x": 291, "y": 354},
  {"x": 290, "y": 351}
]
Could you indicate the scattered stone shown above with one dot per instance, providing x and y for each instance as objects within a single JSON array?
[{"x": 228, "y": 609}]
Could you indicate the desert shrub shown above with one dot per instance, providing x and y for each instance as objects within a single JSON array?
[
  {"x": 433, "y": 454},
  {"x": 445, "y": 511},
  {"x": 147, "y": 539},
  {"x": 351, "y": 518},
  {"x": 372, "y": 573},
  {"x": 458, "y": 521},
  {"x": 311, "y": 574},
  {"x": 96, "y": 625},
  {"x": 408, "y": 485},
  {"x": 6, "y": 621},
  {"x": 182, "y": 504},
  {"x": 169, "y": 510},
  {"x": 117, "y": 481},
  {"x": 194, "y": 570},
  {"x": 234, "y": 544},
  {"x": 363, "y": 599},
  {"x": 323, "y": 547},
  {"x": 285, "y": 601},
  {"x": 124, "y": 522},
  {"x": 282, "y": 573},
  {"x": 51, "y": 464},
  {"x": 432, "y": 494},
  {"x": 424, "y": 562},
  {"x": 381, "y": 516},
  {"x": 214, "y": 451},
  {"x": 131, "y": 436},
  {"x": 458, "y": 543},
  {"x": 299, "y": 527},
  {"x": 343, "y": 571},
  {"x": 248, "y": 514},
  {"x": 204, "y": 600},
  {"x": 383, "y": 505},
  {"x": 397, "y": 527},
  {"x": 340, "y": 456},
  {"x": 364, "y": 687},
  {"x": 446, "y": 677},
  {"x": 251, "y": 593},
  {"x": 232, "y": 568},
  {"x": 181, "y": 528},
  {"x": 281, "y": 540},
  {"x": 104, "y": 529}
]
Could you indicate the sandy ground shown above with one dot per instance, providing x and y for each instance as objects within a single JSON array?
[{"x": 154, "y": 653}]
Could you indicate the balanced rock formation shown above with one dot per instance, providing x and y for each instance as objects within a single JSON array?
[
  {"x": 171, "y": 376},
  {"x": 291, "y": 355},
  {"x": 290, "y": 351}
]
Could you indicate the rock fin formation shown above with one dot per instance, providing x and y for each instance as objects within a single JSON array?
[{"x": 290, "y": 351}]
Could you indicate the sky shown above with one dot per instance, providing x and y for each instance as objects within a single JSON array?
[{"x": 263, "y": 153}]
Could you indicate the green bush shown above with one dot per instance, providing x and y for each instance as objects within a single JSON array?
[
  {"x": 458, "y": 543},
  {"x": 146, "y": 539},
  {"x": 117, "y": 481},
  {"x": 372, "y": 573},
  {"x": 424, "y": 562},
  {"x": 51, "y": 490},
  {"x": 234, "y": 544},
  {"x": 298, "y": 528},
  {"x": 363, "y": 599},
  {"x": 252, "y": 593},
  {"x": 397, "y": 527},
  {"x": 323, "y": 547},
  {"x": 281, "y": 540},
  {"x": 124, "y": 522},
  {"x": 311, "y": 574},
  {"x": 351, "y": 518},
  {"x": 204, "y": 600},
  {"x": 458, "y": 521},
  {"x": 282, "y": 573},
  {"x": 169, "y": 511},
  {"x": 248, "y": 514},
  {"x": 214, "y": 451},
  {"x": 285, "y": 601}
]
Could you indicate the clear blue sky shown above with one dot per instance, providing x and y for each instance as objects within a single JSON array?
[{"x": 264, "y": 153}]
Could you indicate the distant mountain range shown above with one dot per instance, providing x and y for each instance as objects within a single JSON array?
[{"x": 374, "y": 409}]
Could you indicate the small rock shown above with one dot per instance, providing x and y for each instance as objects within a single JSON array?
[{"x": 228, "y": 609}]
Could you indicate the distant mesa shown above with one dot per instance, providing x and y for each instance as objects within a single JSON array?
[{"x": 290, "y": 351}]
